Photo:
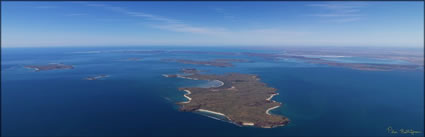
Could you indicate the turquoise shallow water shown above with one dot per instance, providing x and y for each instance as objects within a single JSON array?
[{"x": 137, "y": 100}]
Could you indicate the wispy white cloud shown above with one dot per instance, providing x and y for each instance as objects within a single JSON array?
[
  {"x": 152, "y": 17},
  {"x": 95, "y": 5},
  {"x": 336, "y": 15},
  {"x": 340, "y": 12},
  {"x": 179, "y": 27},
  {"x": 342, "y": 20},
  {"x": 45, "y": 7},
  {"x": 213, "y": 33},
  {"x": 164, "y": 23},
  {"x": 135, "y": 14},
  {"x": 345, "y": 6},
  {"x": 209, "y": 33},
  {"x": 76, "y": 14},
  {"x": 224, "y": 13}
]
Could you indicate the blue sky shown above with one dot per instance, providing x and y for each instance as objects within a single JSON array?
[{"x": 385, "y": 24}]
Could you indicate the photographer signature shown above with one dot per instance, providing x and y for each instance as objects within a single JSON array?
[{"x": 402, "y": 131}]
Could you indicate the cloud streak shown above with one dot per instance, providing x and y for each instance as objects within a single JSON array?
[
  {"x": 46, "y": 7},
  {"x": 247, "y": 36},
  {"x": 163, "y": 23},
  {"x": 224, "y": 13},
  {"x": 340, "y": 12},
  {"x": 76, "y": 14}
]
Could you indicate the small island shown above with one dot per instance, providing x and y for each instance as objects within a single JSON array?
[
  {"x": 242, "y": 99},
  {"x": 97, "y": 77},
  {"x": 49, "y": 67}
]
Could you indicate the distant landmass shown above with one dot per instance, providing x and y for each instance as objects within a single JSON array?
[
  {"x": 215, "y": 62},
  {"x": 358, "y": 66},
  {"x": 314, "y": 55},
  {"x": 49, "y": 67}
]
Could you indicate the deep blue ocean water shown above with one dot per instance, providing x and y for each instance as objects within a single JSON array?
[{"x": 136, "y": 100}]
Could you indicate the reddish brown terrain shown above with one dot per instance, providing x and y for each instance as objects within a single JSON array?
[{"x": 242, "y": 99}]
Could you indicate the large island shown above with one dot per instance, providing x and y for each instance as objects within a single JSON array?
[{"x": 242, "y": 99}]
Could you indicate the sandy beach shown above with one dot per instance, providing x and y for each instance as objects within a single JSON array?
[
  {"x": 221, "y": 83},
  {"x": 35, "y": 69},
  {"x": 248, "y": 124},
  {"x": 221, "y": 114},
  {"x": 179, "y": 76},
  {"x": 267, "y": 111},
  {"x": 213, "y": 112},
  {"x": 188, "y": 98},
  {"x": 268, "y": 99}
]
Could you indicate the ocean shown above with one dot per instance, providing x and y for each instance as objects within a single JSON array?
[{"x": 136, "y": 100}]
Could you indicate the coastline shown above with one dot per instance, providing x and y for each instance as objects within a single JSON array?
[
  {"x": 268, "y": 110},
  {"x": 204, "y": 110},
  {"x": 180, "y": 76},
  {"x": 221, "y": 83},
  {"x": 221, "y": 114},
  {"x": 185, "y": 95},
  {"x": 268, "y": 99},
  {"x": 35, "y": 69},
  {"x": 212, "y": 112},
  {"x": 248, "y": 124}
]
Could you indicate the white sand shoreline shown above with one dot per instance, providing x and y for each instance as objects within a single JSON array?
[
  {"x": 213, "y": 112},
  {"x": 185, "y": 95},
  {"x": 221, "y": 83},
  {"x": 179, "y": 76},
  {"x": 221, "y": 114},
  {"x": 268, "y": 99},
  {"x": 204, "y": 110},
  {"x": 248, "y": 124},
  {"x": 35, "y": 69},
  {"x": 268, "y": 110}
]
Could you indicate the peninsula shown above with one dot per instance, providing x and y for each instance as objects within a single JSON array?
[{"x": 242, "y": 99}]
